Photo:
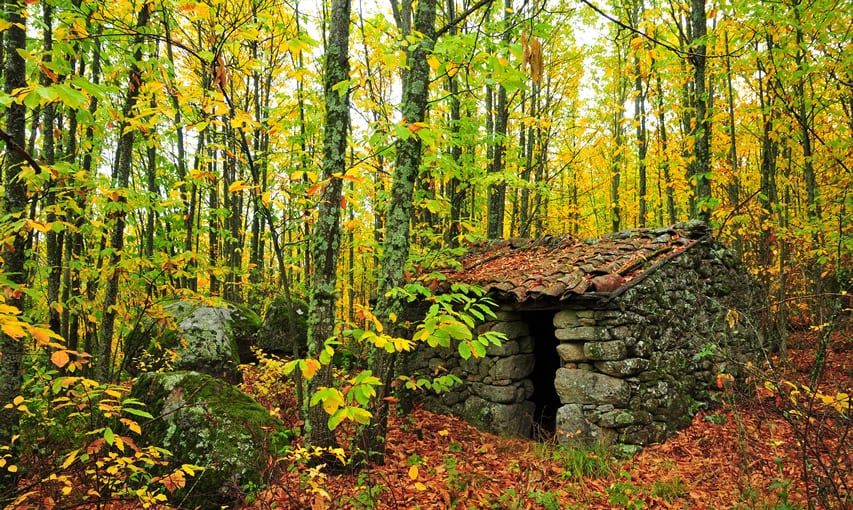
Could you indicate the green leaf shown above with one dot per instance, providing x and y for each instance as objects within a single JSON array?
[
  {"x": 479, "y": 349},
  {"x": 464, "y": 350},
  {"x": 109, "y": 437},
  {"x": 69, "y": 96},
  {"x": 342, "y": 86},
  {"x": 359, "y": 415},
  {"x": 92, "y": 88},
  {"x": 336, "y": 419},
  {"x": 137, "y": 412},
  {"x": 458, "y": 331},
  {"x": 401, "y": 132}
]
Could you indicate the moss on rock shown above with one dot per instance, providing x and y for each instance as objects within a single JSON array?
[
  {"x": 205, "y": 421},
  {"x": 193, "y": 336}
]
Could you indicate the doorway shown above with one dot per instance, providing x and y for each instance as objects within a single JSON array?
[{"x": 541, "y": 325}]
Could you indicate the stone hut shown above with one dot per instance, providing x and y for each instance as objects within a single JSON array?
[{"x": 619, "y": 339}]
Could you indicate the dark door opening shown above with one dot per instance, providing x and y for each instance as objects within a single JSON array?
[{"x": 541, "y": 325}]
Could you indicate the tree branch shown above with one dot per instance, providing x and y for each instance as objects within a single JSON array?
[
  {"x": 460, "y": 18},
  {"x": 12, "y": 145}
]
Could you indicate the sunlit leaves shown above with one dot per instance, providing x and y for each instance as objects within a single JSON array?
[{"x": 349, "y": 403}]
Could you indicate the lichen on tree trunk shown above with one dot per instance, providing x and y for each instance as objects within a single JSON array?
[
  {"x": 14, "y": 204},
  {"x": 395, "y": 251},
  {"x": 326, "y": 235}
]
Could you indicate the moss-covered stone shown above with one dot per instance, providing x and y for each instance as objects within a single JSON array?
[
  {"x": 205, "y": 421},
  {"x": 187, "y": 335},
  {"x": 277, "y": 335}
]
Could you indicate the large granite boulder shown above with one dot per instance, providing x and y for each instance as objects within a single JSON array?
[
  {"x": 188, "y": 335},
  {"x": 207, "y": 422},
  {"x": 278, "y": 335}
]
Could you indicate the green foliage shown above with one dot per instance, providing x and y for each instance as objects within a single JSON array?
[
  {"x": 625, "y": 494},
  {"x": 716, "y": 419},
  {"x": 453, "y": 317},
  {"x": 669, "y": 490},
  {"x": 84, "y": 436},
  {"x": 579, "y": 462},
  {"x": 350, "y": 403}
]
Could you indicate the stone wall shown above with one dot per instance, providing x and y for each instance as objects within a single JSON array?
[
  {"x": 633, "y": 369},
  {"x": 497, "y": 388}
]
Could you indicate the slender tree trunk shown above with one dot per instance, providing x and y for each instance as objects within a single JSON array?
[
  {"x": 14, "y": 256},
  {"x": 153, "y": 192},
  {"x": 733, "y": 187},
  {"x": 53, "y": 239},
  {"x": 702, "y": 130},
  {"x": 529, "y": 147},
  {"x": 620, "y": 96},
  {"x": 804, "y": 121},
  {"x": 775, "y": 322},
  {"x": 188, "y": 212},
  {"x": 214, "y": 221},
  {"x": 457, "y": 189},
  {"x": 664, "y": 148},
  {"x": 75, "y": 246},
  {"x": 326, "y": 235},
  {"x": 121, "y": 174},
  {"x": 640, "y": 122},
  {"x": 497, "y": 191},
  {"x": 395, "y": 250}
]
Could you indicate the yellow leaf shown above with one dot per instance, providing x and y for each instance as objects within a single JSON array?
[
  {"x": 8, "y": 310},
  {"x": 331, "y": 405},
  {"x": 265, "y": 199},
  {"x": 69, "y": 459},
  {"x": 41, "y": 335},
  {"x": 190, "y": 469},
  {"x": 37, "y": 225},
  {"x": 732, "y": 317},
  {"x": 18, "y": 400},
  {"x": 113, "y": 393},
  {"x": 311, "y": 367},
  {"x": 433, "y": 62},
  {"x": 12, "y": 468},
  {"x": 237, "y": 185},
  {"x": 413, "y": 472},
  {"x": 14, "y": 330},
  {"x": 443, "y": 433},
  {"x": 419, "y": 486},
  {"x": 132, "y": 425},
  {"x": 59, "y": 358}
]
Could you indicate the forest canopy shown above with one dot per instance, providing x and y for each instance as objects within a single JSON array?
[{"x": 329, "y": 152}]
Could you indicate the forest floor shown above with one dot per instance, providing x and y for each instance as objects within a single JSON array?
[
  {"x": 748, "y": 453},
  {"x": 781, "y": 447}
]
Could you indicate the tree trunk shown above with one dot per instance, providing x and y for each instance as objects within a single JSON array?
[
  {"x": 640, "y": 122},
  {"x": 14, "y": 256},
  {"x": 121, "y": 174},
  {"x": 733, "y": 187},
  {"x": 620, "y": 96},
  {"x": 664, "y": 149},
  {"x": 188, "y": 281},
  {"x": 326, "y": 235},
  {"x": 53, "y": 239},
  {"x": 395, "y": 246},
  {"x": 702, "y": 129},
  {"x": 497, "y": 190}
]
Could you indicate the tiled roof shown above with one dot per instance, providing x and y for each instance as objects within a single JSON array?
[{"x": 559, "y": 268}]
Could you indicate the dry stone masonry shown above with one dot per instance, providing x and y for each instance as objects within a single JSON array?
[
  {"x": 498, "y": 388},
  {"x": 631, "y": 364}
]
